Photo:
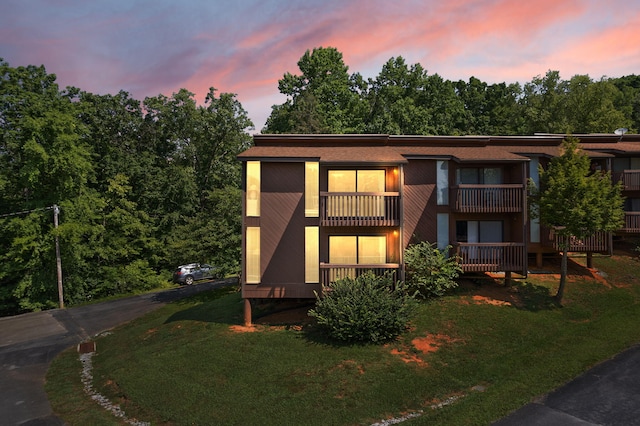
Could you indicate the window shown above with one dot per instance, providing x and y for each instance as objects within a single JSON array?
[
  {"x": 253, "y": 188},
  {"x": 351, "y": 250},
  {"x": 443, "y": 182},
  {"x": 443, "y": 230},
  {"x": 352, "y": 181},
  {"x": 479, "y": 231},
  {"x": 253, "y": 255},
  {"x": 534, "y": 224},
  {"x": 479, "y": 175},
  {"x": 355, "y": 250},
  {"x": 311, "y": 189},
  {"x": 311, "y": 254},
  {"x": 475, "y": 231}
]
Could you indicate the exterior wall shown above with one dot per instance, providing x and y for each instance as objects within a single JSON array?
[
  {"x": 282, "y": 222},
  {"x": 420, "y": 202}
]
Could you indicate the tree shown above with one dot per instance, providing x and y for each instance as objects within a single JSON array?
[
  {"x": 324, "y": 98},
  {"x": 574, "y": 201}
]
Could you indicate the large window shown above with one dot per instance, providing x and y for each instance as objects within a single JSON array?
[
  {"x": 479, "y": 231},
  {"x": 479, "y": 175},
  {"x": 351, "y": 250},
  {"x": 253, "y": 188},
  {"x": 353, "y": 181},
  {"x": 311, "y": 189},
  {"x": 253, "y": 255}
]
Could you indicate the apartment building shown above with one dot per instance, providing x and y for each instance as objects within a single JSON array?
[{"x": 320, "y": 207}]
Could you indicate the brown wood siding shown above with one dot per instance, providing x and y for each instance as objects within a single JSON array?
[
  {"x": 420, "y": 202},
  {"x": 282, "y": 223}
]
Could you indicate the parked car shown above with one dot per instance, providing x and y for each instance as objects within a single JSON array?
[{"x": 187, "y": 274}]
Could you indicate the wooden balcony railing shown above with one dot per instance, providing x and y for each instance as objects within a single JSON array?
[
  {"x": 492, "y": 257},
  {"x": 360, "y": 208},
  {"x": 489, "y": 198},
  {"x": 630, "y": 179},
  {"x": 598, "y": 243},
  {"x": 631, "y": 222},
  {"x": 331, "y": 272}
]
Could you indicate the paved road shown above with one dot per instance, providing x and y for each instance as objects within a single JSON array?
[
  {"x": 29, "y": 342},
  {"x": 608, "y": 394}
]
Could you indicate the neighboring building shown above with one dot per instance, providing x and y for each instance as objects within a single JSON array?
[{"x": 320, "y": 207}]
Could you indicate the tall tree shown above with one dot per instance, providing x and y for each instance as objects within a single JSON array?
[
  {"x": 574, "y": 201},
  {"x": 324, "y": 92}
]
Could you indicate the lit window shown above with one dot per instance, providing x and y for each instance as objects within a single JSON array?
[
  {"x": 311, "y": 189},
  {"x": 350, "y": 182},
  {"x": 253, "y": 188},
  {"x": 351, "y": 250},
  {"x": 253, "y": 255},
  {"x": 311, "y": 254}
]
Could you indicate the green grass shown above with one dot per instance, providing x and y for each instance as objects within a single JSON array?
[{"x": 182, "y": 364}]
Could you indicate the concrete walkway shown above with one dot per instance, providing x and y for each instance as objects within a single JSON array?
[{"x": 29, "y": 342}]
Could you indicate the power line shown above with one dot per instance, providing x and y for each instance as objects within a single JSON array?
[{"x": 26, "y": 211}]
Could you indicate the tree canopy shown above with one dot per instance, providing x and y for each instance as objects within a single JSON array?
[
  {"x": 406, "y": 99},
  {"x": 575, "y": 201},
  {"x": 142, "y": 187}
]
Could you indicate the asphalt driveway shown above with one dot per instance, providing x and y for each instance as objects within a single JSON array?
[{"x": 29, "y": 342}]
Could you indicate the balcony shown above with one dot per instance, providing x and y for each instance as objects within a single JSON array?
[
  {"x": 331, "y": 272},
  {"x": 489, "y": 198},
  {"x": 631, "y": 222},
  {"x": 492, "y": 257},
  {"x": 360, "y": 209},
  {"x": 597, "y": 243},
  {"x": 630, "y": 179}
]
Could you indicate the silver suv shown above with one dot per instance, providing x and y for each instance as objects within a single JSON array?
[{"x": 187, "y": 274}]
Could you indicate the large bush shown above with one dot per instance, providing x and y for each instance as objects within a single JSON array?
[
  {"x": 429, "y": 271},
  {"x": 369, "y": 308}
]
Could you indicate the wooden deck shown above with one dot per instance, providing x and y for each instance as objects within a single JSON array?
[
  {"x": 492, "y": 257},
  {"x": 360, "y": 208},
  {"x": 630, "y": 179},
  {"x": 489, "y": 198},
  {"x": 332, "y": 272}
]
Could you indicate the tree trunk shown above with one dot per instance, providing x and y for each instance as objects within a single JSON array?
[{"x": 563, "y": 270}]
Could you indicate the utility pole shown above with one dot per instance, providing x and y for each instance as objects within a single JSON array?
[{"x": 56, "y": 212}]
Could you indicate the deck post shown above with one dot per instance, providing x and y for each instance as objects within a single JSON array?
[
  {"x": 590, "y": 260},
  {"x": 539, "y": 259},
  {"x": 247, "y": 312},
  {"x": 507, "y": 279}
]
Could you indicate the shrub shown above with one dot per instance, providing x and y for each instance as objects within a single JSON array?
[
  {"x": 369, "y": 308},
  {"x": 429, "y": 272}
]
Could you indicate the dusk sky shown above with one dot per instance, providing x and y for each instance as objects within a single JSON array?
[{"x": 151, "y": 47}]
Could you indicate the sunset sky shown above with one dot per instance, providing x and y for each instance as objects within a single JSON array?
[{"x": 149, "y": 47}]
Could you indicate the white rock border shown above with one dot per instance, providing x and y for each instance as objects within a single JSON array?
[{"x": 103, "y": 401}]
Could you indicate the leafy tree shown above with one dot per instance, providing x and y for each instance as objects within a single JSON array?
[
  {"x": 139, "y": 185},
  {"x": 542, "y": 105},
  {"x": 574, "y": 201},
  {"x": 324, "y": 98}
]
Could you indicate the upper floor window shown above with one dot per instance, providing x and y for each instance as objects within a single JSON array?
[
  {"x": 356, "y": 180},
  {"x": 353, "y": 181},
  {"x": 311, "y": 189},
  {"x": 479, "y": 175},
  {"x": 253, "y": 188}
]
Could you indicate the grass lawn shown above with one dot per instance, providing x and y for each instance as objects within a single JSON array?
[{"x": 477, "y": 354}]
